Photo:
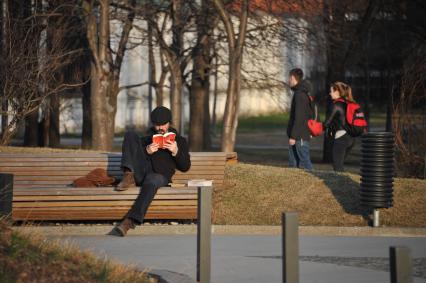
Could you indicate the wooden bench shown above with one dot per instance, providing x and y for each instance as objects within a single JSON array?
[{"x": 42, "y": 187}]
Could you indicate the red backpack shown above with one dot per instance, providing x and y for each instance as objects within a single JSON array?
[{"x": 356, "y": 124}]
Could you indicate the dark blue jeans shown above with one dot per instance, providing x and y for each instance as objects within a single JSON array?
[
  {"x": 135, "y": 158},
  {"x": 299, "y": 156}
]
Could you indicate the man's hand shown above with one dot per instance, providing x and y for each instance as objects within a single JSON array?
[
  {"x": 291, "y": 141},
  {"x": 172, "y": 147},
  {"x": 152, "y": 148}
]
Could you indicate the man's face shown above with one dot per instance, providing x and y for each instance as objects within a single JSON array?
[
  {"x": 292, "y": 81},
  {"x": 162, "y": 129}
]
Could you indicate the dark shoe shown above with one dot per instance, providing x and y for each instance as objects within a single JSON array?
[
  {"x": 127, "y": 181},
  {"x": 124, "y": 226}
]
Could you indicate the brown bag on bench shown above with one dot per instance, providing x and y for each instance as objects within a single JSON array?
[{"x": 96, "y": 178}]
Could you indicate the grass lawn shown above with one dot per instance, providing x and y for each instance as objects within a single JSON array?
[
  {"x": 30, "y": 258},
  {"x": 278, "y": 121},
  {"x": 258, "y": 194}
]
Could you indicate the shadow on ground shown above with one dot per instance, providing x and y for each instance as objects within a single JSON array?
[{"x": 345, "y": 190}]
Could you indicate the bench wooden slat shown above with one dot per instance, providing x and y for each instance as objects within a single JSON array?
[
  {"x": 73, "y": 167},
  {"x": 68, "y": 182},
  {"x": 100, "y": 190},
  {"x": 82, "y": 172},
  {"x": 100, "y": 213},
  {"x": 97, "y": 154},
  {"x": 216, "y": 182},
  {"x": 32, "y": 198},
  {"x": 67, "y": 204},
  {"x": 98, "y": 209},
  {"x": 89, "y": 215},
  {"x": 196, "y": 170}
]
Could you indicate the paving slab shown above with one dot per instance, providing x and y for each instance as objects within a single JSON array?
[{"x": 257, "y": 258}]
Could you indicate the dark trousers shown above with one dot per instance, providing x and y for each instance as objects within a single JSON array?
[
  {"x": 341, "y": 147},
  {"x": 135, "y": 158}
]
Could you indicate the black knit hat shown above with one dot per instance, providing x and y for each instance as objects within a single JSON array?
[{"x": 161, "y": 115}]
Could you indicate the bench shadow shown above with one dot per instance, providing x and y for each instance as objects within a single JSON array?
[{"x": 346, "y": 191}]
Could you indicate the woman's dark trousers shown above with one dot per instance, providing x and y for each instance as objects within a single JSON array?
[
  {"x": 341, "y": 148},
  {"x": 135, "y": 158}
]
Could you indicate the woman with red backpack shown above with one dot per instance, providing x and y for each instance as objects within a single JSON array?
[{"x": 339, "y": 126}]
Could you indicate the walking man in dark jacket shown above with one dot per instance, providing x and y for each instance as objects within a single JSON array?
[
  {"x": 146, "y": 165},
  {"x": 300, "y": 113}
]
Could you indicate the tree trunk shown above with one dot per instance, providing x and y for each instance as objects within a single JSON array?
[
  {"x": 86, "y": 135},
  {"x": 4, "y": 117},
  {"x": 235, "y": 56},
  {"x": 197, "y": 115},
  {"x": 176, "y": 93},
  {"x": 54, "y": 127},
  {"x": 105, "y": 72},
  {"x": 159, "y": 89},
  {"x": 152, "y": 67},
  {"x": 4, "y": 102},
  {"x": 230, "y": 118},
  {"x": 199, "y": 129},
  {"x": 174, "y": 57},
  {"x": 102, "y": 109},
  {"x": 31, "y": 129},
  {"x": 44, "y": 126},
  {"x": 215, "y": 93},
  {"x": 207, "y": 141},
  {"x": 335, "y": 67}
]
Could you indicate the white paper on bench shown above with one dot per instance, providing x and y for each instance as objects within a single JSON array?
[{"x": 200, "y": 183}]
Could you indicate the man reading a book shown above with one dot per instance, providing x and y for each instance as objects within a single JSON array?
[{"x": 150, "y": 162}]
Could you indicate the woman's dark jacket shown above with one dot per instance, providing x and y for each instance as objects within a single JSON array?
[{"x": 337, "y": 119}]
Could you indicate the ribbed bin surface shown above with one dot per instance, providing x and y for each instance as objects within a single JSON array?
[{"x": 377, "y": 169}]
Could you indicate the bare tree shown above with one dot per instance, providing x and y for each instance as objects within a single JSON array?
[
  {"x": 157, "y": 84},
  {"x": 409, "y": 114},
  {"x": 235, "y": 53},
  {"x": 410, "y": 122},
  {"x": 27, "y": 65},
  {"x": 106, "y": 67},
  {"x": 199, "y": 125}
]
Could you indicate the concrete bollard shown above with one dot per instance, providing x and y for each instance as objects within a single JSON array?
[
  {"x": 400, "y": 265},
  {"x": 290, "y": 247},
  {"x": 204, "y": 234}
]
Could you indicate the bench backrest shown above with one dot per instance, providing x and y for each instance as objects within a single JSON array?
[{"x": 60, "y": 169}]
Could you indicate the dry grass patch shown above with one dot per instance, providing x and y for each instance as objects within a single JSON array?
[
  {"x": 31, "y": 258},
  {"x": 257, "y": 195}
]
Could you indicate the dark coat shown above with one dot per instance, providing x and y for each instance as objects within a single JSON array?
[
  {"x": 300, "y": 112},
  {"x": 337, "y": 119},
  {"x": 163, "y": 162}
]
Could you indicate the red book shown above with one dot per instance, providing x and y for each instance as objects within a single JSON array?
[{"x": 162, "y": 139}]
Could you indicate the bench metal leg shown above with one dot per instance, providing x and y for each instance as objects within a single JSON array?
[
  {"x": 290, "y": 247},
  {"x": 6, "y": 194},
  {"x": 204, "y": 234}
]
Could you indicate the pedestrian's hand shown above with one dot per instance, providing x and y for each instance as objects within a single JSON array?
[
  {"x": 291, "y": 141},
  {"x": 172, "y": 147},
  {"x": 152, "y": 148}
]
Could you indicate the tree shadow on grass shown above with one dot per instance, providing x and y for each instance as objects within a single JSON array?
[{"x": 346, "y": 191}]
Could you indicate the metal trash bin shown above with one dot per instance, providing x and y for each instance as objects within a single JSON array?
[{"x": 377, "y": 171}]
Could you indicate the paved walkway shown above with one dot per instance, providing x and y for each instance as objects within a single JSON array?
[{"x": 257, "y": 258}]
